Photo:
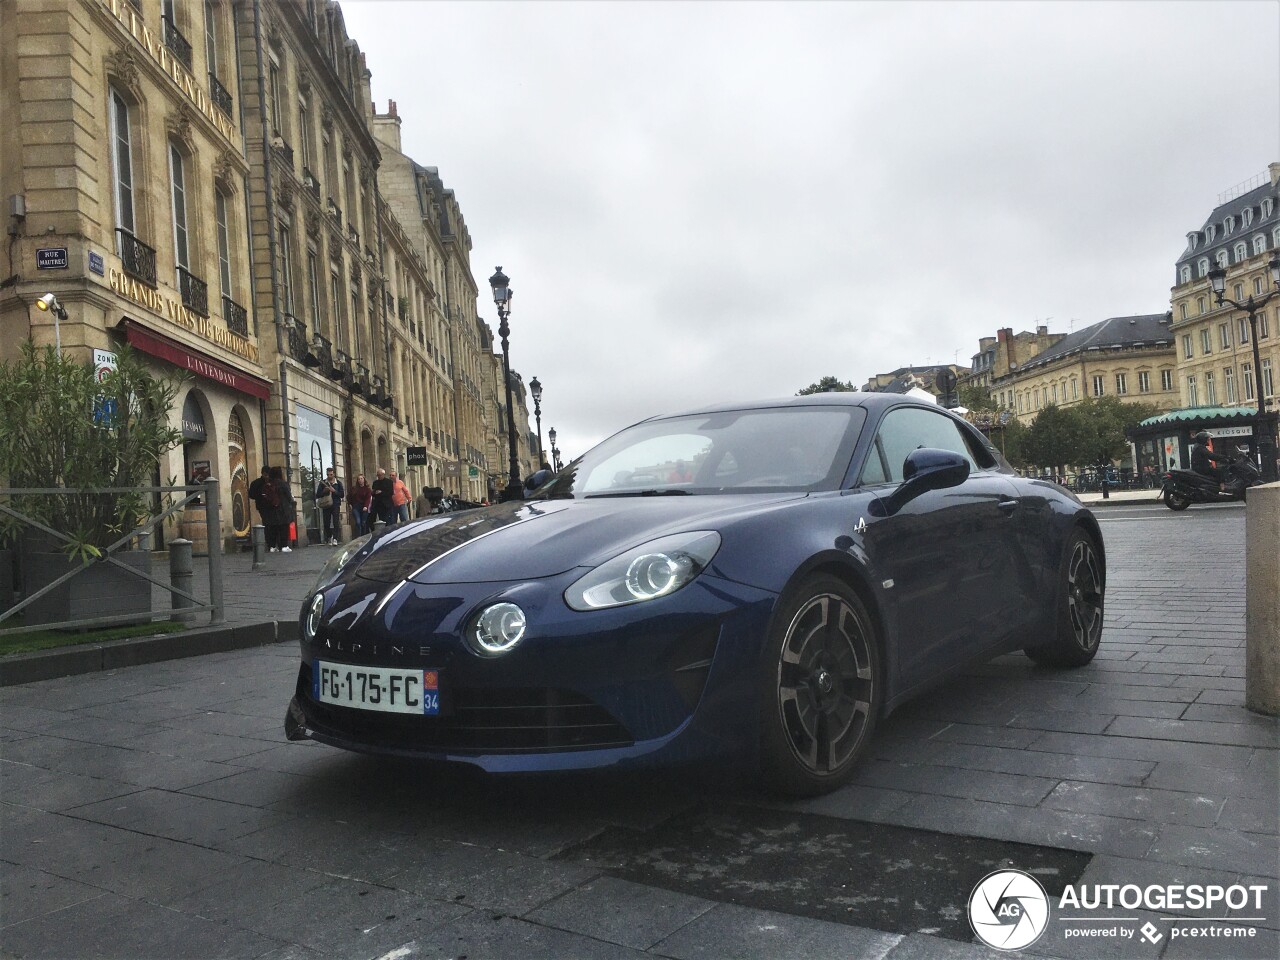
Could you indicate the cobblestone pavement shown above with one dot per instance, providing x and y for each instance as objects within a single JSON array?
[{"x": 157, "y": 811}]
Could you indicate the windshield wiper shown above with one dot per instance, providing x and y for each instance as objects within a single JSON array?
[{"x": 641, "y": 493}]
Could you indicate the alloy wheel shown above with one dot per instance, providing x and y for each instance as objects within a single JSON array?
[
  {"x": 826, "y": 683},
  {"x": 1084, "y": 595}
]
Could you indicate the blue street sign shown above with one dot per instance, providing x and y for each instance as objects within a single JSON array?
[
  {"x": 96, "y": 265},
  {"x": 104, "y": 411},
  {"x": 51, "y": 258}
]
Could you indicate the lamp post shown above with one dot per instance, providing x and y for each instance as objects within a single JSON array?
[
  {"x": 1261, "y": 430},
  {"x": 555, "y": 454},
  {"x": 49, "y": 303},
  {"x": 535, "y": 390},
  {"x": 502, "y": 299}
]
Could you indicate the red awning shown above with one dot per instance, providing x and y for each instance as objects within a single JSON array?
[{"x": 160, "y": 346}]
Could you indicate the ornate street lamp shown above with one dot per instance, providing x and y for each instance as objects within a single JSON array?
[
  {"x": 555, "y": 454},
  {"x": 1261, "y": 429},
  {"x": 502, "y": 299},
  {"x": 535, "y": 390}
]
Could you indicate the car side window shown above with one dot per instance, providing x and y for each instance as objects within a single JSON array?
[
  {"x": 910, "y": 428},
  {"x": 873, "y": 470}
]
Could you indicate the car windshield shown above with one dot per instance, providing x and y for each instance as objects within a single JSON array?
[{"x": 737, "y": 451}]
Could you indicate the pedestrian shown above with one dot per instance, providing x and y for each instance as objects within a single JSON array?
[
  {"x": 256, "y": 494},
  {"x": 383, "y": 489},
  {"x": 361, "y": 498},
  {"x": 429, "y": 502},
  {"x": 281, "y": 511},
  {"x": 400, "y": 498},
  {"x": 329, "y": 496}
]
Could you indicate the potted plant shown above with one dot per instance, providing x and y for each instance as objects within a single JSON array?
[{"x": 65, "y": 425}]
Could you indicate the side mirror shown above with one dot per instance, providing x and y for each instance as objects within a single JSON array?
[
  {"x": 924, "y": 469},
  {"x": 930, "y": 469}
]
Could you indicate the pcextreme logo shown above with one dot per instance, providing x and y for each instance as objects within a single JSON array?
[{"x": 1008, "y": 910}]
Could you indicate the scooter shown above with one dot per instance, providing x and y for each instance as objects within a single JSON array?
[{"x": 1181, "y": 488}]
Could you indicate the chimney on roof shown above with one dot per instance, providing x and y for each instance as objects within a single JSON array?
[
  {"x": 1042, "y": 331},
  {"x": 386, "y": 126},
  {"x": 1274, "y": 170}
]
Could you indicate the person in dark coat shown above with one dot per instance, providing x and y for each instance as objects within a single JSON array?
[
  {"x": 331, "y": 516},
  {"x": 256, "y": 493},
  {"x": 384, "y": 489},
  {"x": 281, "y": 511}
]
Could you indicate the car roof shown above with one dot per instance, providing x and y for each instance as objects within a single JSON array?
[{"x": 871, "y": 401}]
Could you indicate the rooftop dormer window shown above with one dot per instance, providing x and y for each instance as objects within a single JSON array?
[
  {"x": 1248, "y": 216},
  {"x": 1242, "y": 251},
  {"x": 1193, "y": 239},
  {"x": 1228, "y": 225},
  {"x": 1211, "y": 232},
  {"x": 1223, "y": 259},
  {"x": 1267, "y": 205}
]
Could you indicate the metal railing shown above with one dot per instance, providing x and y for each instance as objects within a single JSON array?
[
  {"x": 183, "y": 601},
  {"x": 297, "y": 333},
  {"x": 195, "y": 292},
  {"x": 236, "y": 316},
  {"x": 137, "y": 259},
  {"x": 220, "y": 95},
  {"x": 178, "y": 45},
  {"x": 310, "y": 182}
]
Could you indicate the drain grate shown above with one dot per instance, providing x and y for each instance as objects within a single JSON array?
[{"x": 895, "y": 879}]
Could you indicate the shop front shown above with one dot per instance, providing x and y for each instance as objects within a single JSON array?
[
  {"x": 1163, "y": 442},
  {"x": 315, "y": 456}
]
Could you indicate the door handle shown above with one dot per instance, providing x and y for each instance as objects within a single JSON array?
[{"x": 1008, "y": 506}]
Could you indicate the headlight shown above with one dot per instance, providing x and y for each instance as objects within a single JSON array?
[
  {"x": 651, "y": 570},
  {"x": 329, "y": 572},
  {"x": 499, "y": 627},
  {"x": 311, "y": 622}
]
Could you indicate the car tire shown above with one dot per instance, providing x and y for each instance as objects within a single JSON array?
[
  {"x": 1078, "y": 609},
  {"x": 821, "y": 689},
  {"x": 1175, "y": 502}
]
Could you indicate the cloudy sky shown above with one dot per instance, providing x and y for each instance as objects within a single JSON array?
[{"x": 699, "y": 202}]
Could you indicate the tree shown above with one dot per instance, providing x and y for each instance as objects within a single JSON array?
[
  {"x": 1104, "y": 423},
  {"x": 975, "y": 397},
  {"x": 1057, "y": 437},
  {"x": 828, "y": 385}
]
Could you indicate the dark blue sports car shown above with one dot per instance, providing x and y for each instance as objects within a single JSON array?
[{"x": 760, "y": 582}]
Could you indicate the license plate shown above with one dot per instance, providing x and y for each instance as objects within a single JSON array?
[{"x": 376, "y": 688}]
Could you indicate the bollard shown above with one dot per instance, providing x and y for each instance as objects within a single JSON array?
[
  {"x": 1262, "y": 600},
  {"x": 180, "y": 576},
  {"x": 259, "y": 537}
]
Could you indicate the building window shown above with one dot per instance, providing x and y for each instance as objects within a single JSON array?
[
  {"x": 1266, "y": 207},
  {"x": 1185, "y": 274},
  {"x": 211, "y": 37},
  {"x": 1193, "y": 395},
  {"x": 1144, "y": 382},
  {"x": 1223, "y": 259},
  {"x": 1202, "y": 267},
  {"x": 1187, "y": 351},
  {"x": 1211, "y": 232},
  {"x": 1122, "y": 384},
  {"x": 1210, "y": 390},
  {"x": 1238, "y": 290},
  {"x": 1224, "y": 335},
  {"x": 335, "y": 307},
  {"x": 304, "y": 134},
  {"x": 313, "y": 289},
  {"x": 1229, "y": 225},
  {"x": 1257, "y": 286},
  {"x": 1244, "y": 330},
  {"x": 1075, "y": 389},
  {"x": 224, "y": 243},
  {"x": 1166, "y": 379},
  {"x": 1248, "y": 216},
  {"x": 1054, "y": 389},
  {"x": 1200, "y": 303},
  {"x": 286, "y": 271},
  {"x": 1098, "y": 385},
  {"x": 1182, "y": 309},
  {"x": 1268, "y": 385},
  {"x": 1206, "y": 346},
  {"x": 177, "y": 176},
  {"x": 1264, "y": 330},
  {"x": 1246, "y": 374},
  {"x": 122, "y": 162},
  {"x": 273, "y": 91},
  {"x": 1229, "y": 384},
  {"x": 1259, "y": 244},
  {"x": 1242, "y": 252}
]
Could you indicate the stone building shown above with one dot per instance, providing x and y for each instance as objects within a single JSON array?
[
  {"x": 902, "y": 379},
  {"x": 1128, "y": 357},
  {"x": 126, "y": 193},
  {"x": 448, "y": 362},
  {"x": 1215, "y": 365}
]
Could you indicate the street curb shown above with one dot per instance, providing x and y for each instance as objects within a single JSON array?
[
  {"x": 1115, "y": 502},
  {"x": 22, "y": 668}
]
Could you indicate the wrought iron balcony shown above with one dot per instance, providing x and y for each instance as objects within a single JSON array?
[
  {"x": 195, "y": 292},
  {"x": 220, "y": 96},
  {"x": 138, "y": 259},
  {"x": 335, "y": 211},
  {"x": 236, "y": 316},
  {"x": 297, "y": 333},
  {"x": 353, "y": 234},
  {"x": 310, "y": 182},
  {"x": 283, "y": 149},
  {"x": 178, "y": 45}
]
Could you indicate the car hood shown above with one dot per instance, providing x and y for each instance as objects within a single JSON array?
[{"x": 541, "y": 538}]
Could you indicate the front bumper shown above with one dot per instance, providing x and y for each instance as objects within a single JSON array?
[{"x": 661, "y": 682}]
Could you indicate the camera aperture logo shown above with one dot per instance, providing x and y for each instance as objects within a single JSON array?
[{"x": 1008, "y": 910}]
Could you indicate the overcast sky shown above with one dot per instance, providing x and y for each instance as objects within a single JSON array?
[{"x": 700, "y": 202}]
